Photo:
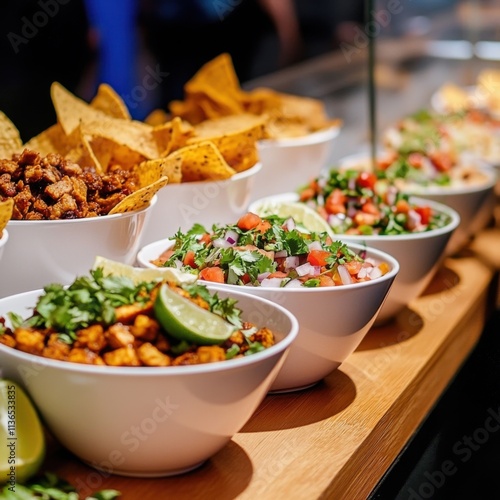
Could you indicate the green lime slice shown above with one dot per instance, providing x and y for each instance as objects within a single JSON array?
[
  {"x": 185, "y": 320},
  {"x": 302, "y": 214},
  {"x": 21, "y": 434},
  {"x": 139, "y": 274}
]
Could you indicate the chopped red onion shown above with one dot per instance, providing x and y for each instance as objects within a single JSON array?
[
  {"x": 375, "y": 273},
  {"x": 315, "y": 245},
  {"x": 271, "y": 282},
  {"x": 308, "y": 270},
  {"x": 231, "y": 236},
  {"x": 345, "y": 277},
  {"x": 290, "y": 224},
  {"x": 262, "y": 276},
  {"x": 280, "y": 253},
  {"x": 221, "y": 243},
  {"x": 294, "y": 284}
]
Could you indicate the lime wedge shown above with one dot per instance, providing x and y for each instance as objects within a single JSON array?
[
  {"x": 22, "y": 440},
  {"x": 185, "y": 320},
  {"x": 140, "y": 274},
  {"x": 302, "y": 214}
]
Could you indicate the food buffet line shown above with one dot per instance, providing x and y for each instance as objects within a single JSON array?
[{"x": 338, "y": 437}]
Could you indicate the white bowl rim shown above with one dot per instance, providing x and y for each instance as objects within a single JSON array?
[
  {"x": 85, "y": 220},
  {"x": 483, "y": 166},
  {"x": 254, "y": 169},
  {"x": 438, "y": 207},
  {"x": 316, "y": 137},
  {"x": 5, "y": 237},
  {"x": 146, "y": 371},
  {"x": 377, "y": 254}
]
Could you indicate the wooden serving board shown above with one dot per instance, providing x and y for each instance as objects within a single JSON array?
[{"x": 337, "y": 439}]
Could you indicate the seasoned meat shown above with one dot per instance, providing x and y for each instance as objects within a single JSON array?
[{"x": 52, "y": 187}]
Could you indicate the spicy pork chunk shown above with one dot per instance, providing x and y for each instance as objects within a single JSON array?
[{"x": 51, "y": 187}]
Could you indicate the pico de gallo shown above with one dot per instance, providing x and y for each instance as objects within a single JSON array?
[
  {"x": 268, "y": 251},
  {"x": 357, "y": 202},
  {"x": 430, "y": 149}
]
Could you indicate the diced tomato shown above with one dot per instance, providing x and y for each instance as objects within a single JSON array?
[
  {"x": 278, "y": 274},
  {"x": 370, "y": 208},
  {"x": 215, "y": 274},
  {"x": 441, "y": 160},
  {"x": 334, "y": 204},
  {"x": 189, "y": 259},
  {"x": 362, "y": 219},
  {"x": 366, "y": 180},
  {"x": 425, "y": 213},
  {"x": 249, "y": 221},
  {"x": 307, "y": 194},
  {"x": 402, "y": 207},
  {"x": 263, "y": 226},
  {"x": 415, "y": 160},
  {"x": 325, "y": 280},
  {"x": 205, "y": 238},
  {"x": 318, "y": 257},
  {"x": 353, "y": 267},
  {"x": 245, "y": 278}
]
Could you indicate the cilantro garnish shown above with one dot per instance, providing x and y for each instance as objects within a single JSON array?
[{"x": 88, "y": 300}]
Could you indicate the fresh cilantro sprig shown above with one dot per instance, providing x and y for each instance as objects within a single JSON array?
[
  {"x": 88, "y": 300},
  {"x": 50, "y": 487},
  {"x": 226, "y": 308}
]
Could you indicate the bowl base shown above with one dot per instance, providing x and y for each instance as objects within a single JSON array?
[
  {"x": 293, "y": 389},
  {"x": 160, "y": 473}
]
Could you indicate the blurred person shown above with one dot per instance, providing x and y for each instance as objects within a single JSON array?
[
  {"x": 183, "y": 35},
  {"x": 41, "y": 41}
]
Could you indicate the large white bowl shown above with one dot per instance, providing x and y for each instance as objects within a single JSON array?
[
  {"x": 333, "y": 320},
  {"x": 45, "y": 251},
  {"x": 150, "y": 421},
  {"x": 473, "y": 202},
  {"x": 181, "y": 205},
  {"x": 3, "y": 241},
  {"x": 419, "y": 254},
  {"x": 290, "y": 162}
]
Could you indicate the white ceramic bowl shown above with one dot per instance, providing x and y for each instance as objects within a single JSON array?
[
  {"x": 181, "y": 205},
  {"x": 290, "y": 162},
  {"x": 333, "y": 320},
  {"x": 150, "y": 421},
  {"x": 419, "y": 254},
  {"x": 3, "y": 241},
  {"x": 473, "y": 202},
  {"x": 44, "y": 251}
]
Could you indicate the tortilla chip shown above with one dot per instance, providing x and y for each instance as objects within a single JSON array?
[
  {"x": 202, "y": 161},
  {"x": 157, "y": 117},
  {"x": 6, "y": 208},
  {"x": 172, "y": 135},
  {"x": 235, "y": 136},
  {"x": 108, "y": 152},
  {"x": 110, "y": 103},
  {"x": 150, "y": 171},
  {"x": 218, "y": 81},
  {"x": 83, "y": 154},
  {"x": 73, "y": 112},
  {"x": 140, "y": 198},
  {"x": 52, "y": 140},
  {"x": 10, "y": 139}
]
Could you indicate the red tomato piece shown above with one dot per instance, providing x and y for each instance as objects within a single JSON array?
[{"x": 215, "y": 274}]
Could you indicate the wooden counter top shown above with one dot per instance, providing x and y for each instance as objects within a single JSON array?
[{"x": 337, "y": 439}]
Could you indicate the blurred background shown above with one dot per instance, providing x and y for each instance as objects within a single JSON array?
[{"x": 148, "y": 49}]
